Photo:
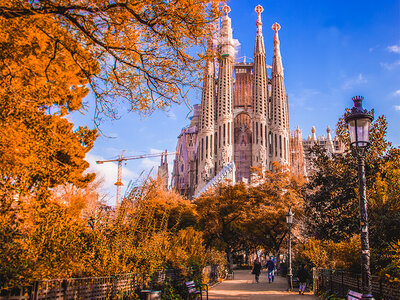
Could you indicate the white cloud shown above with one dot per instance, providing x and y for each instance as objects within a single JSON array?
[
  {"x": 396, "y": 93},
  {"x": 155, "y": 151},
  {"x": 304, "y": 97},
  {"x": 171, "y": 115},
  {"x": 391, "y": 66},
  {"x": 148, "y": 163},
  {"x": 394, "y": 48},
  {"x": 397, "y": 107},
  {"x": 352, "y": 82}
]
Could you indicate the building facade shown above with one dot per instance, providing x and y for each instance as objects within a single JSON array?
[
  {"x": 243, "y": 118},
  {"x": 331, "y": 145}
]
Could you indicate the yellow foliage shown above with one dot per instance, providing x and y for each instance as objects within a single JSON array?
[
  {"x": 134, "y": 51},
  {"x": 328, "y": 254},
  {"x": 73, "y": 234}
]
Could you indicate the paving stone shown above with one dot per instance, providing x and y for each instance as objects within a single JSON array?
[{"x": 245, "y": 287}]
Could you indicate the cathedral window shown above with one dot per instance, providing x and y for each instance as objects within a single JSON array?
[
  {"x": 261, "y": 134},
  {"x": 219, "y": 136},
  {"x": 211, "y": 145},
  {"x": 276, "y": 145},
  {"x": 265, "y": 132},
  {"x": 202, "y": 149},
  {"x": 206, "y": 146},
  {"x": 280, "y": 146},
  {"x": 224, "y": 134},
  {"x": 270, "y": 143},
  {"x": 284, "y": 148},
  {"x": 256, "y": 133},
  {"x": 229, "y": 133},
  {"x": 215, "y": 143}
]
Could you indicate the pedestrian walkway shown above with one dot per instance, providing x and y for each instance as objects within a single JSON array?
[{"x": 245, "y": 287}]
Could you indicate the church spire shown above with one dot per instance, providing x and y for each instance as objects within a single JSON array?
[
  {"x": 259, "y": 104},
  {"x": 208, "y": 92},
  {"x": 259, "y": 9},
  {"x": 277, "y": 61},
  {"x": 280, "y": 121},
  {"x": 206, "y": 130},
  {"x": 224, "y": 114},
  {"x": 259, "y": 47}
]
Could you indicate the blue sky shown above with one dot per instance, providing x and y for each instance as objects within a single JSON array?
[{"x": 331, "y": 51}]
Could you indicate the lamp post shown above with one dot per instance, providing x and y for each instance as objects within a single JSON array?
[
  {"x": 359, "y": 121},
  {"x": 289, "y": 221}
]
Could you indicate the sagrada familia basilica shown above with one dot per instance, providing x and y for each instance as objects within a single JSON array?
[{"x": 242, "y": 121}]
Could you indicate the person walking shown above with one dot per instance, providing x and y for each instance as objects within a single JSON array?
[
  {"x": 256, "y": 269},
  {"x": 302, "y": 275},
  {"x": 271, "y": 269}
]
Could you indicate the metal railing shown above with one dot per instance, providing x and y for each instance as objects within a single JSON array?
[
  {"x": 339, "y": 282},
  {"x": 122, "y": 286}
]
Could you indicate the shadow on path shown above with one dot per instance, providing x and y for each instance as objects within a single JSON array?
[{"x": 245, "y": 287}]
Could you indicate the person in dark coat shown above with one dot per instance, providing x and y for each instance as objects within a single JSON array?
[
  {"x": 271, "y": 270},
  {"x": 302, "y": 275},
  {"x": 256, "y": 269}
]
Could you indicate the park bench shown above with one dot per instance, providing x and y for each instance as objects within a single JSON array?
[
  {"x": 194, "y": 289},
  {"x": 230, "y": 275},
  {"x": 352, "y": 295},
  {"x": 151, "y": 295}
]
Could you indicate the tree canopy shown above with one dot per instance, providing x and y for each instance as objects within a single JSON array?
[
  {"x": 137, "y": 52},
  {"x": 241, "y": 217},
  {"x": 332, "y": 200}
]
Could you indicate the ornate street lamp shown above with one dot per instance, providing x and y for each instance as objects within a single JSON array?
[
  {"x": 289, "y": 221},
  {"x": 359, "y": 121}
]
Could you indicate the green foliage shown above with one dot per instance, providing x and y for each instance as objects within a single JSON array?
[{"x": 332, "y": 201}]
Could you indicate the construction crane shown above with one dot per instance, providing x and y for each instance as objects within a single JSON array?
[{"x": 122, "y": 158}]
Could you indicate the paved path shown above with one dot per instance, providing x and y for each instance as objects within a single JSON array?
[{"x": 244, "y": 287}]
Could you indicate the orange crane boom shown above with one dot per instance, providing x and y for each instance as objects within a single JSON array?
[{"x": 120, "y": 159}]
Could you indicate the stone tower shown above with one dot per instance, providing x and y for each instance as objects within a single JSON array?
[
  {"x": 260, "y": 95},
  {"x": 206, "y": 130},
  {"x": 224, "y": 114},
  {"x": 243, "y": 119},
  {"x": 278, "y": 135}
]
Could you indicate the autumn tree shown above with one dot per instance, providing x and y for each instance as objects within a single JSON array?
[
  {"x": 136, "y": 52},
  {"x": 39, "y": 84},
  {"x": 221, "y": 214},
  {"x": 332, "y": 201},
  {"x": 241, "y": 217},
  {"x": 278, "y": 190},
  {"x": 332, "y": 195}
]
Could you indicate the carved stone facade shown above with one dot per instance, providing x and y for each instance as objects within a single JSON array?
[
  {"x": 332, "y": 146},
  {"x": 243, "y": 116}
]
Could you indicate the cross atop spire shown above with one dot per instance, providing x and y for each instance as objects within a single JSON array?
[
  {"x": 276, "y": 27},
  {"x": 259, "y": 9},
  {"x": 226, "y": 9}
]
